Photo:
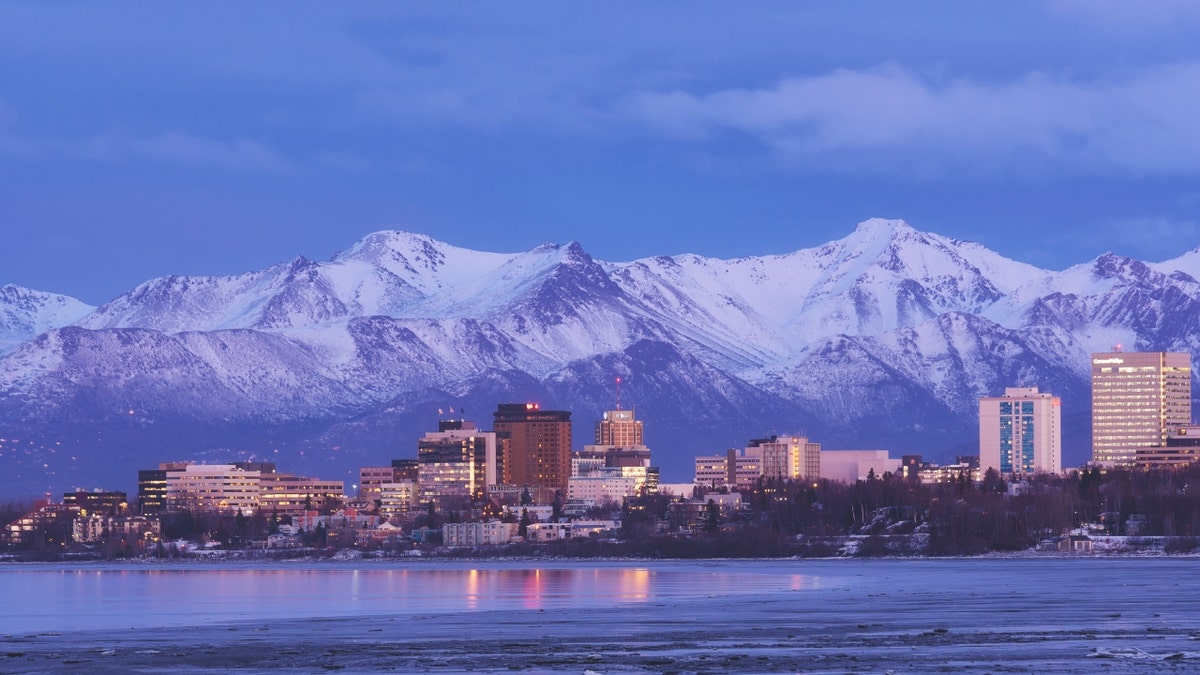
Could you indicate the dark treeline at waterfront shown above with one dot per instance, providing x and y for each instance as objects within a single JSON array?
[
  {"x": 884, "y": 515},
  {"x": 893, "y": 516}
]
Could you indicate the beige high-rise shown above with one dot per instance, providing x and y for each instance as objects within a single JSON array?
[
  {"x": 619, "y": 428},
  {"x": 1136, "y": 398},
  {"x": 1020, "y": 432}
]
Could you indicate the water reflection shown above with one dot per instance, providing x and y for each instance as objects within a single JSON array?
[{"x": 44, "y": 598}]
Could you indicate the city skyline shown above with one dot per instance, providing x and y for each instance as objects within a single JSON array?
[{"x": 131, "y": 148}]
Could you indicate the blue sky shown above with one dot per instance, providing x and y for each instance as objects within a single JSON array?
[{"x": 167, "y": 138}]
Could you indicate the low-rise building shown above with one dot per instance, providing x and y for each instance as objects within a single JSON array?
[
  {"x": 219, "y": 488},
  {"x": 734, "y": 469},
  {"x": 849, "y": 466},
  {"x": 287, "y": 494},
  {"x": 548, "y": 531},
  {"x": 386, "y": 534},
  {"x": 94, "y": 528},
  {"x": 788, "y": 457},
  {"x": 488, "y": 533},
  {"x": 965, "y": 467}
]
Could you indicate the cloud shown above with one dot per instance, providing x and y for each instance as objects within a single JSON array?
[
  {"x": 1147, "y": 122},
  {"x": 1150, "y": 237},
  {"x": 184, "y": 149},
  {"x": 167, "y": 148},
  {"x": 1122, "y": 16}
]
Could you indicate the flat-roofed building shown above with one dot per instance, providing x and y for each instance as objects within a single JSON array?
[
  {"x": 97, "y": 502},
  {"x": 100, "y": 527},
  {"x": 965, "y": 467},
  {"x": 1021, "y": 432},
  {"x": 535, "y": 445},
  {"x": 790, "y": 457},
  {"x": 371, "y": 477},
  {"x": 456, "y": 464},
  {"x": 152, "y": 487},
  {"x": 488, "y": 533},
  {"x": 406, "y": 469},
  {"x": 287, "y": 494},
  {"x": 1137, "y": 398},
  {"x": 734, "y": 468},
  {"x": 1182, "y": 449},
  {"x": 398, "y": 501},
  {"x": 849, "y": 466},
  {"x": 601, "y": 488},
  {"x": 604, "y": 473},
  {"x": 220, "y": 488}
]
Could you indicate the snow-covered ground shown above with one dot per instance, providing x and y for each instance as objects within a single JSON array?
[{"x": 1049, "y": 614}]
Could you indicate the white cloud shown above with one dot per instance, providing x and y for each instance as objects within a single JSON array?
[
  {"x": 177, "y": 148},
  {"x": 1150, "y": 237},
  {"x": 1146, "y": 122},
  {"x": 167, "y": 148},
  {"x": 1122, "y": 16}
]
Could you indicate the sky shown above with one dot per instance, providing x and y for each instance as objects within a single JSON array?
[{"x": 145, "y": 139}]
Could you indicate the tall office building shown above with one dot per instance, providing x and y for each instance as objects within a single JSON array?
[
  {"x": 1020, "y": 432},
  {"x": 619, "y": 428},
  {"x": 1137, "y": 398},
  {"x": 457, "y": 462},
  {"x": 535, "y": 445}
]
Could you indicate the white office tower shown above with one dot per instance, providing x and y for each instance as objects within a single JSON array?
[{"x": 1137, "y": 398}]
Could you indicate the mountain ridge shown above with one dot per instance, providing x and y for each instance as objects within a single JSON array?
[{"x": 884, "y": 338}]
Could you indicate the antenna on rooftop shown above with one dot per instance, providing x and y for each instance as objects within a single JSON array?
[
  {"x": 618, "y": 393},
  {"x": 1117, "y": 348}
]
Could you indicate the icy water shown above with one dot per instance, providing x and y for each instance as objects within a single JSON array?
[
  {"x": 83, "y": 597},
  {"x": 1044, "y": 614}
]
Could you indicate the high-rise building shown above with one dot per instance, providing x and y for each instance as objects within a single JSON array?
[
  {"x": 619, "y": 428},
  {"x": 456, "y": 463},
  {"x": 1020, "y": 432},
  {"x": 535, "y": 445},
  {"x": 1137, "y": 398}
]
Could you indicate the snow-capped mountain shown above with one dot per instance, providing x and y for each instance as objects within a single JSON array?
[
  {"x": 885, "y": 338},
  {"x": 25, "y": 314}
]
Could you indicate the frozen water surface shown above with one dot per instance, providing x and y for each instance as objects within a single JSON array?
[{"x": 1038, "y": 614}]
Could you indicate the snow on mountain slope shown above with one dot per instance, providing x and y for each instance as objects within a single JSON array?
[
  {"x": 885, "y": 337},
  {"x": 883, "y": 276},
  {"x": 26, "y": 313},
  {"x": 886, "y": 275},
  {"x": 421, "y": 262},
  {"x": 1188, "y": 263},
  {"x": 561, "y": 304}
]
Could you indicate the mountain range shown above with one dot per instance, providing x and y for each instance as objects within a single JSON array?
[{"x": 884, "y": 340}]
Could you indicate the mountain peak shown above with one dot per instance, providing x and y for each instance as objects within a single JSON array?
[
  {"x": 884, "y": 227},
  {"x": 26, "y": 313}
]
